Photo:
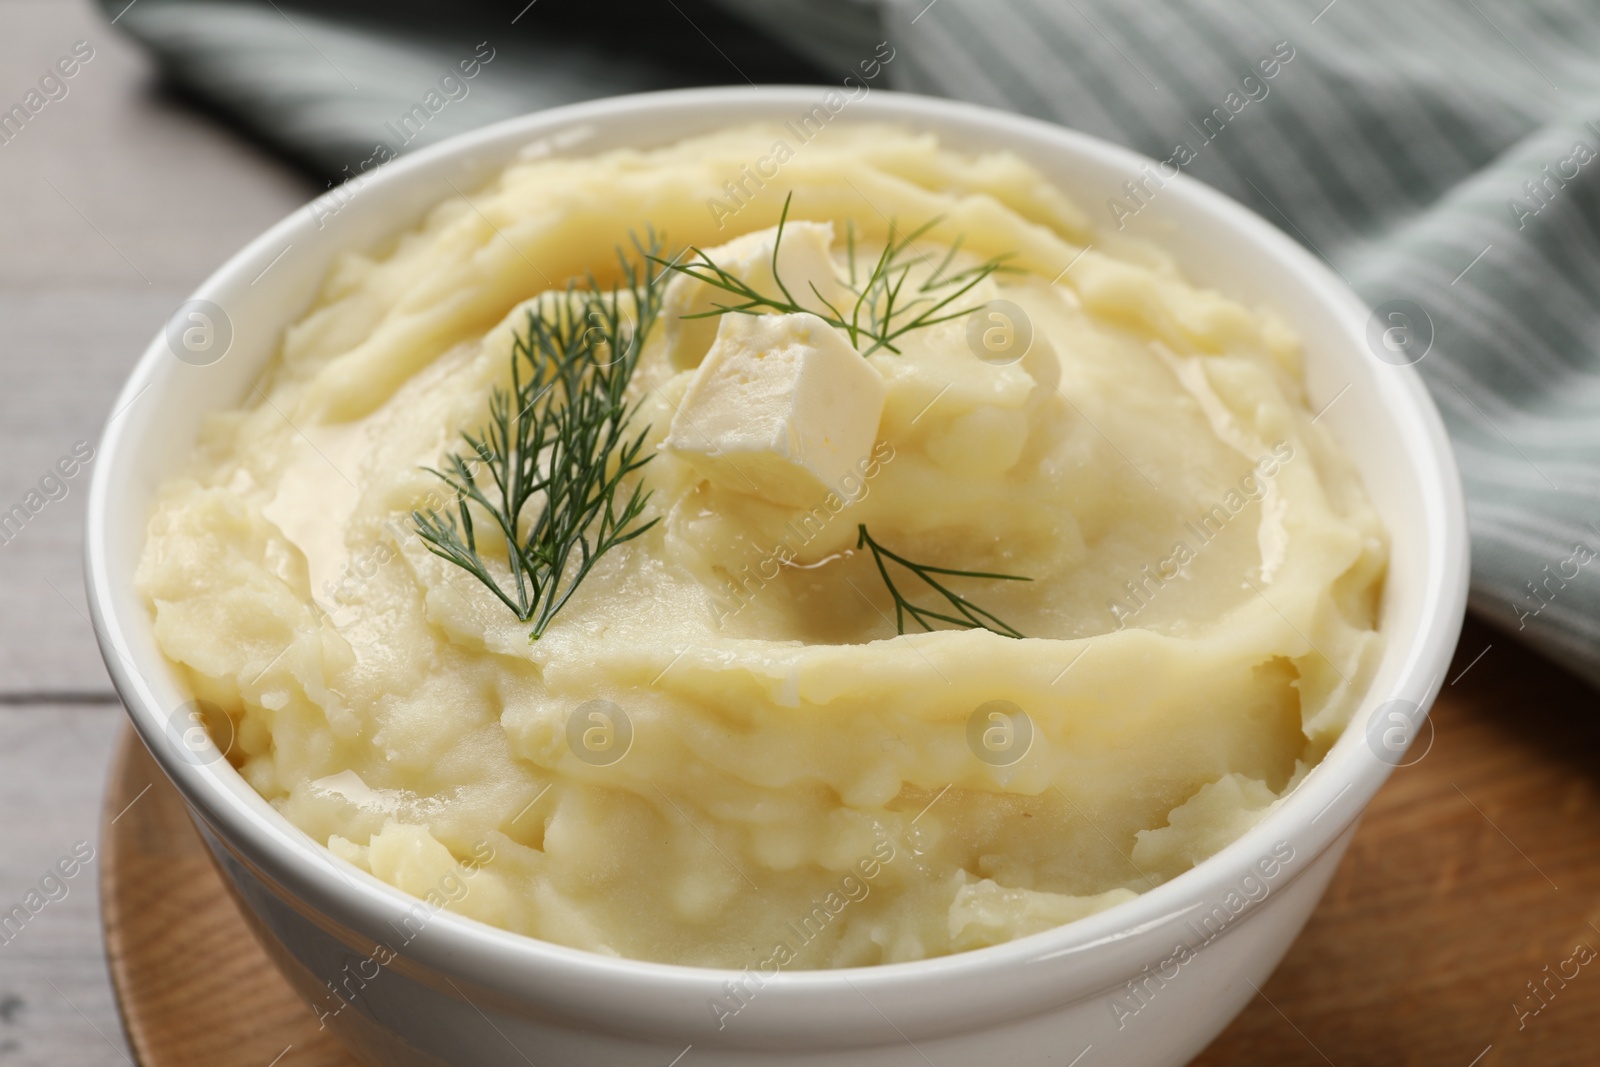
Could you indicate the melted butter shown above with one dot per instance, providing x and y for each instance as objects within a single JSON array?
[{"x": 315, "y": 497}]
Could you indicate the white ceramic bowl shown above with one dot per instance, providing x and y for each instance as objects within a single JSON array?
[{"x": 463, "y": 993}]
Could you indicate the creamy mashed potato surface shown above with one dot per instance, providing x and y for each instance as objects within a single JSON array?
[{"x": 721, "y": 752}]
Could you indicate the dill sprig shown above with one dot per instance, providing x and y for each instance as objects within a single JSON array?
[
  {"x": 971, "y": 617},
  {"x": 883, "y": 311},
  {"x": 557, "y": 445}
]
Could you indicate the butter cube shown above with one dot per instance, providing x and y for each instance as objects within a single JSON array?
[
  {"x": 781, "y": 407},
  {"x": 803, "y": 261}
]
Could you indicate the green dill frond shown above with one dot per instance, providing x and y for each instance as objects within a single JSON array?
[
  {"x": 550, "y": 466},
  {"x": 883, "y": 310},
  {"x": 968, "y": 615}
]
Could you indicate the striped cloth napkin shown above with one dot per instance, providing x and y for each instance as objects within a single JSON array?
[{"x": 1442, "y": 157}]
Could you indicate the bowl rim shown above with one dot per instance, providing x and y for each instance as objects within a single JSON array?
[{"x": 518, "y": 965}]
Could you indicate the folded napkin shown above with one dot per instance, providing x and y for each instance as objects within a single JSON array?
[{"x": 1443, "y": 157}]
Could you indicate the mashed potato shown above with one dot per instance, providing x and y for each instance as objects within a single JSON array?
[{"x": 721, "y": 752}]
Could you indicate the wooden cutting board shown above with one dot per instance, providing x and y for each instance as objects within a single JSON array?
[{"x": 1475, "y": 869}]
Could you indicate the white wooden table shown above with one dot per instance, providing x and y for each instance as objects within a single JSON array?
[{"x": 115, "y": 201}]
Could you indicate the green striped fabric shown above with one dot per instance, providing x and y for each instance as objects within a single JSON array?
[{"x": 1442, "y": 157}]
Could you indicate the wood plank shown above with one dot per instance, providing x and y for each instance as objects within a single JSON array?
[
  {"x": 56, "y": 1005},
  {"x": 119, "y": 201},
  {"x": 164, "y": 903}
]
